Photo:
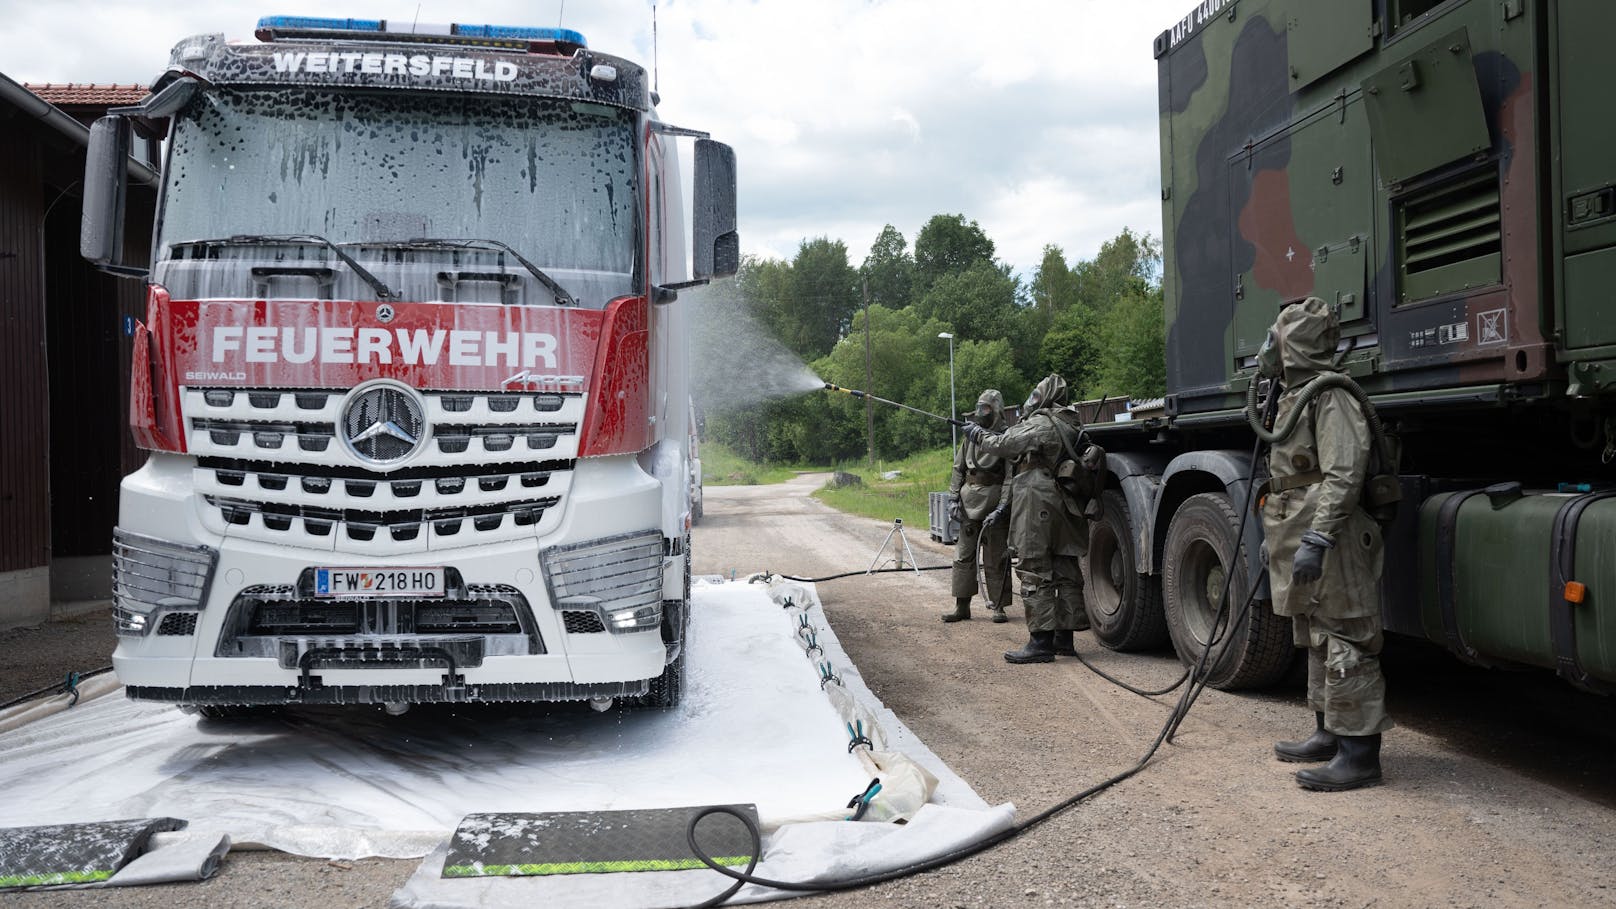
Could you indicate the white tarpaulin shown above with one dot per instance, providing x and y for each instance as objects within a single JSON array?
[{"x": 754, "y": 726}]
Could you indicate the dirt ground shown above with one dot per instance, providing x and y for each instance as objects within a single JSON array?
[{"x": 1498, "y": 790}]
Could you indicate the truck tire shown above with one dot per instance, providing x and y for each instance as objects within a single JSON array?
[
  {"x": 1200, "y": 547},
  {"x": 668, "y": 689},
  {"x": 1124, "y": 607}
]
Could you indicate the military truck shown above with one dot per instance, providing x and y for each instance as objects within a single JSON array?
[{"x": 1440, "y": 171}]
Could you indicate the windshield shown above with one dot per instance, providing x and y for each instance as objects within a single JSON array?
[{"x": 553, "y": 179}]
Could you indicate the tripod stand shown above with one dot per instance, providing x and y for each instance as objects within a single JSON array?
[{"x": 898, "y": 551}]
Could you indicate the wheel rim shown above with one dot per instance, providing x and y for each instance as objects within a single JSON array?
[
  {"x": 1105, "y": 569},
  {"x": 1204, "y": 579}
]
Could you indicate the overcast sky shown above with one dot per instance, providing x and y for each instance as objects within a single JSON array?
[{"x": 1036, "y": 118}]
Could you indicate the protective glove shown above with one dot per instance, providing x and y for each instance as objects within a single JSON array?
[
  {"x": 954, "y": 510},
  {"x": 1308, "y": 566},
  {"x": 974, "y": 431},
  {"x": 994, "y": 516}
]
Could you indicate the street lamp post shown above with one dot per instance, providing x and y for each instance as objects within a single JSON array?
[{"x": 953, "y": 409}]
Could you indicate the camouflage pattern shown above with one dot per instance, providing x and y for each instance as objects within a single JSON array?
[
  {"x": 1336, "y": 618},
  {"x": 1377, "y": 156},
  {"x": 978, "y": 496},
  {"x": 1044, "y": 533}
]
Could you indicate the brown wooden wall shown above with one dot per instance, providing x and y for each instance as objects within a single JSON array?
[
  {"x": 24, "y": 405},
  {"x": 64, "y": 359}
]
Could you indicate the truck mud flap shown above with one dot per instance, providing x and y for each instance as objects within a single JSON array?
[{"x": 594, "y": 842}]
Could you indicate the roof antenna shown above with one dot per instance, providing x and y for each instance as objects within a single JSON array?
[
  {"x": 417, "y": 20},
  {"x": 562, "y": 15},
  {"x": 655, "y": 87}
]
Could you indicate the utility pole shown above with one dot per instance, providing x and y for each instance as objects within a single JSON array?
[{"x": 869, "y": 407}]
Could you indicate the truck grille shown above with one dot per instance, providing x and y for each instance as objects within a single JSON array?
[
  {"x": 151, "y": 576},
  {"x": 283, "y": 621},
  {"x": 493, "y": 466},
  {"x": 618, "y": 579}
]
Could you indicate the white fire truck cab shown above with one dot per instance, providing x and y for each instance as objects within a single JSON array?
[{"x": 414, "y": 373}]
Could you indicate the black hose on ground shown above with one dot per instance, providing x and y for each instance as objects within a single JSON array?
[
  {"x": 857, "y": 574},
  {"x": 71, "y": 682},
  {"x": 1197, "y": 675}
]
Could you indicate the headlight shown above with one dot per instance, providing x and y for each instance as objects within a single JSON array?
[
  {"x": 151, "y": 575},
  {"x": 618, "y": 578}
]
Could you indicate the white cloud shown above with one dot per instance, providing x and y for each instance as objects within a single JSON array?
[{"x": 1037, "y": 118}]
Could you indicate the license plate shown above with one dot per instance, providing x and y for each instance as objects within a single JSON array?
[{"x": 378, "y": 582}]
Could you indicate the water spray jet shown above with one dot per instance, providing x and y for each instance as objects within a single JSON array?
[{"x": 864, "y": 394}]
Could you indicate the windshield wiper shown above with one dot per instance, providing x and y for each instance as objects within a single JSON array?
[
  {"x": 382, "y": 290},
  {"x": 562, "y": 298}
]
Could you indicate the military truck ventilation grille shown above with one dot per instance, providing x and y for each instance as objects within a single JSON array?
[{"x": 1450, "y": 239}]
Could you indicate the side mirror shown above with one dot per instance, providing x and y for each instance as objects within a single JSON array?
[
  {"x": 715, "y": 246},
  {"x": 106, "y": 191}
]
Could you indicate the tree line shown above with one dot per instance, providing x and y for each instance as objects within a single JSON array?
[{"x": 1097, "y": 322}]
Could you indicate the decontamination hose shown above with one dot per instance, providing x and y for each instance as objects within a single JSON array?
[
  {"x": 1186, "y": 700},
  {"x": 1309, "y": 392}
]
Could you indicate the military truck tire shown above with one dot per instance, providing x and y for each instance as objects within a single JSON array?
[
  {"x": 1124, "y": 607},
  {"x": 1200, "y": 547}
]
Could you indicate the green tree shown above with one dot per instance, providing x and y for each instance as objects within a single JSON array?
[
  {"x": 889, "y": 270},
  {"x": 1128, "y": 263},
  {"x": 1054, "y": 287},
  {"x": 1071, "y": 346},
  {"x": 1133, "y": 351},
  {"x": 948, "y": 244},
  {"x": 821, "y": 294}
]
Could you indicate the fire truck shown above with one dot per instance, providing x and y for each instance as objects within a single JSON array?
[{"x": 414, "y": 372}]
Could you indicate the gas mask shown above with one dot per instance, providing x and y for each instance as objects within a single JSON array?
[
  {"x": 1033, "y": 401},
  {"x": 984, "y": 416}
]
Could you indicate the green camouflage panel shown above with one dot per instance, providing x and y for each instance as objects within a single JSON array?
[
  {"x": 1329, "y": 453},
  {"x": 1390, "y": 158},
  {"x": 1344, "y": 681}
]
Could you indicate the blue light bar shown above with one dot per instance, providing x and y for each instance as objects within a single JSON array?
[
  {"x": 521, "y": 33},
  {"x": 421, "y": 31},
  {"x": 316, "y": 22}
]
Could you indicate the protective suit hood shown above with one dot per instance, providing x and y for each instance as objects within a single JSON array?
[
  {"x": 1307, "y": 334},
  {"x": 1049, "y": 394},
  {"x": 994, "y": 402}
]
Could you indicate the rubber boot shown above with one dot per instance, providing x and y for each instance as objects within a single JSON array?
[
  {"x": 1040, "y": 648},
  {"x": 962, "y": 610},
  {"x": 1356, "y": 764},
  {"x": 1063, "y": 644},
  {"x": 999, "y": 618},
  {"x": 1320, "y": 746}
]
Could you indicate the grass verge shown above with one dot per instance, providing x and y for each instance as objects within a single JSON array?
[
  {"x": 906, "y": 496},
  {"x": 722, "y": 466}
]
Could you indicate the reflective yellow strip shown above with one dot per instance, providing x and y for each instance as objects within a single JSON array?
[
  {"x": 588, "y": 867},
  {"x": 55, "y": 877}
]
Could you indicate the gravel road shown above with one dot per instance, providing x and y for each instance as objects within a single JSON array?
[{"x": 1498, "y": 786}]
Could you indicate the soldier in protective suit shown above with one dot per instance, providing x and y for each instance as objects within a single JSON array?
[
  {"x": 1045, "y": 535},
  {"x": 1324, "y": 553},
  {"x": 978, "y": 485}
]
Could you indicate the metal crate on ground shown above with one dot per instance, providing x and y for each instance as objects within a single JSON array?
[{"x": 944, "y": 529}]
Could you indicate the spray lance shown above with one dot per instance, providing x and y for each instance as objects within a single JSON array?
[{"x": 864, "y": 394}]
